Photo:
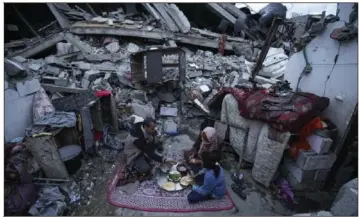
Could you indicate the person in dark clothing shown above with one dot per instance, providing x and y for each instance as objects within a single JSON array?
[
  {"x": 144, "y": 134},
  {"x": 140, "y": 148}
]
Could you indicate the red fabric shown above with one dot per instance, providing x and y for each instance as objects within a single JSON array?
[
  {"x": 103, "y": 93},
  {"x": 304, "y": 106},
  {"x": 302, "y": 143},
  {"x": 97, "y": 135}
]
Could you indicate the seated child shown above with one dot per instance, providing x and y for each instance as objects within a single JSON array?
[{"x": 213, "y": 184}]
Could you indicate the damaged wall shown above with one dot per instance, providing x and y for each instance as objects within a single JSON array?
[{"x": 341, "y": 87}]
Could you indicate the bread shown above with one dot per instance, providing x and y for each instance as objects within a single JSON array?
[{"x": 169, "y": 186}]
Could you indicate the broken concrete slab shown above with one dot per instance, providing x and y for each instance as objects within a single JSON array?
[
  {"x": 35, "y": 66},
  {"x": 60, "y": 17},
  {"x": 152, "y": 11},
  {"x": 52, "y": 70},
  {"x": 103, "y": 57},
  {"x": 75, "y": 41},
  {"x": 12, "y": 67},
  {"x": 221, "y": 12},
  {"x": 161, "y": 9},
  {"x": 19, "y": 59},
  {"x": 101, "y": 29},
  {"x": 40, "y": 46},
  {"x": 54, "y": 88},
  {"x": 54, "y": 61},
  {"x": 179, "y": 18},
  {"x": 28, "y": 87}
]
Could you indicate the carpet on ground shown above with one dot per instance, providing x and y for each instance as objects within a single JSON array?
[{"x": 150, "y": 197}]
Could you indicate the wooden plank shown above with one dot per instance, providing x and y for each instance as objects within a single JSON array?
[
  {"x": 221, "y": 12},
  {"x": 54, "y": 88},
  {"x": 163, "y": 12},
  {"x": 154, "y": 34},
  {"x": 45, "y": 151}
]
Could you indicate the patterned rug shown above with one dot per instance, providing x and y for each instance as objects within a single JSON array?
[{"x": 149, "y": 197}]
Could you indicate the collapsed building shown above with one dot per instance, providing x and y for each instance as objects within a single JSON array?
[{"x": 84, "y": 73}]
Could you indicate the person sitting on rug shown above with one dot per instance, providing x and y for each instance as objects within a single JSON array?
[
  {"x": 206, "y": 142},
  {"x": 139, "y": 150},
  {"x": 211, "y": 183}
]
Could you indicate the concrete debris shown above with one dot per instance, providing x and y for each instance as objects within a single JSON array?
[
  {"x": 13, "y": 68},
  {"x": 88, "y": 77},
  {"x": 346, "y": 202},
  {"x": 143, "y": 111},
  {"x": 133, "y": 48},
  {"x": 113, "y": 47},
  {"x": 28, "y": 87},
  {"x": 65, "y": 48},
  {"x": 148, "y": 60}
]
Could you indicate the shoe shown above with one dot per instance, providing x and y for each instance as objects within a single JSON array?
[
  {"x": 239, "y": 191},
  {"x": 237, "y": 178}
]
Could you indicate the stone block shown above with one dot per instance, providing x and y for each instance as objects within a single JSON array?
[
  {"x": 309, "y": 160},
  {"x": 319, "y": 144},
  {"x": 299, "y": 174},
  {"x": 321, "y": 175},
  {"x": 346, "y": 202}
]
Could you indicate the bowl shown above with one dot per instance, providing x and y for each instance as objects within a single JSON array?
[
  {"x": 174, "y": 176},
  {"x": 186, "y": 181},
  {"x": 182, "y": 169}
]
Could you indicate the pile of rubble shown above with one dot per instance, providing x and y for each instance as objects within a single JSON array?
[{"x": 152, "y": 63}]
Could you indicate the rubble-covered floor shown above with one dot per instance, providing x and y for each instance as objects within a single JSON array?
[{"x": 259, "y": 200}]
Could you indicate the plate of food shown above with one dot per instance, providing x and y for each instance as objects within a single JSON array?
[
  {"x": 182, "y": 169},
  {"x": 169, "y": 186},
  {"x": 186, "y": 181},
  {"x": 174, "y": 176}
]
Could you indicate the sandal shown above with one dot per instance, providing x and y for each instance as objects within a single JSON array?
[
  {"x": 237, "y": 178},
  {"x": 239, "y": 191}
]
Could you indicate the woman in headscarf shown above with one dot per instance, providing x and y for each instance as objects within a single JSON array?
[{"x": 207, "y": 143}]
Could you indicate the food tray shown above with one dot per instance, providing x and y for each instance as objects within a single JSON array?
[{"x": 161, "y": 179}]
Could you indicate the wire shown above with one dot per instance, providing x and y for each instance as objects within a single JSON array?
[{"x": 330, "y": 73}]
